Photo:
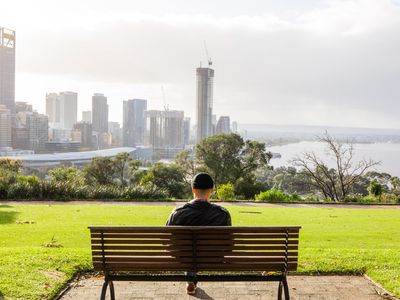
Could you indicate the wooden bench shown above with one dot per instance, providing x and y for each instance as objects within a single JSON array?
[{"x": 163, "y": 253}]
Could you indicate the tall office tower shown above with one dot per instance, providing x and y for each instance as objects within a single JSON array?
[
  {"x": 173, "y": 128},
  {"x": 186, "y": 131},
  {"x": 68, "y": 109},
  {"x": 7, "y": 68},
  {"x": 134, "y": 122},
  {"x": 99, "y": 113},
  {"x": 53, "y": 107},
  {"x": 5, "y": 126},
  {"x": 223, "y": 125},
  {"x": 85, "y": 130},
  {"x": 87, "y": 116},
  {"x": 114, "y": 129},
  {"x": 205, "y": 86}
]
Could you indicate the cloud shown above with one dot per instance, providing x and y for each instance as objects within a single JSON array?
[{"x": 312, "y": 68}]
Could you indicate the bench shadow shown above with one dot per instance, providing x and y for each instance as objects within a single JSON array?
[
  {"x": 201, "y": 294},
  {"x": 7, "y": 217}
]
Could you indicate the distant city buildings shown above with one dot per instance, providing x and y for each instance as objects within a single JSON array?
[
  {"x": 134, "y": 122},
  {"x": 99, "y": 113},
  {"x": 223, "y": 125},
  {"x": 155, "y": 134},
  {"x": 7, "y": 68},
  {"x": 204, "y": 102}
]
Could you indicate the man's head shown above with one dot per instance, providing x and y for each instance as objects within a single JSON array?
[{"x": 202, "y": 186}]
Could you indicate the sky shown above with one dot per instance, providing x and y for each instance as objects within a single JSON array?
[{"x": 308, "y": 62}]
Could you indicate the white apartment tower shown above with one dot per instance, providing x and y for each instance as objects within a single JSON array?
[{"x": 204, "y": 103}]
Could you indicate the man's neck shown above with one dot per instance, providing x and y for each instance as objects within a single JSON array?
[{"x": 202, "y": 199}]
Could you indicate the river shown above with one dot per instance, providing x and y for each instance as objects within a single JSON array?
[{"x": 387, "y": 153}]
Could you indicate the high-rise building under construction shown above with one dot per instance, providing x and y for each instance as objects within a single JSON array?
[
  {"x": 204, "y": 103},
  {"x": 7, "y": 68}
]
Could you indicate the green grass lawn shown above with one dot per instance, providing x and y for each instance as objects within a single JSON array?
[{"x": 332, "y": 240}]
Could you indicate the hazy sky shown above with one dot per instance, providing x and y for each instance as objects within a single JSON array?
[{"x": 285, "y": 62}]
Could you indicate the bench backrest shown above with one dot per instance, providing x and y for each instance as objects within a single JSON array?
[{"x": 188, "y": 248}]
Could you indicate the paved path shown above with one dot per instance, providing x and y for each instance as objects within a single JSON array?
[
  {"x": 301, "y": 287},
  {"x": 173, "y": 203}
]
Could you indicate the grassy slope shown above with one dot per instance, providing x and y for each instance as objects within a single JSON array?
[{"x": 332, "y": 240}]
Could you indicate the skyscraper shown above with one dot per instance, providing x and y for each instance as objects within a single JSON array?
[
  {"x": 134, "y": 122},
  {"x": 99, "y": 113},
  {"x": 205, "y": 83},
  {"x": 7, "y": 68},
  {"x": 53, "y": 107},
  {"x": 223, "y": 125},
  {"x": 68, "y": 109}
]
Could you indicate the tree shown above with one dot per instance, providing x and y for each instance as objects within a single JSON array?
[
  {"x": 168, "y": 177},
  {"x": 187, "y": 163},
  {"x": 227, "y": 157},
  {"x": 226, "y": 192},
  {"x": 124, "y": 166},
  {"x": 375, "y": 188},
  {"x": 334, "y": 183},
  {"x": 100, "y": 171}
]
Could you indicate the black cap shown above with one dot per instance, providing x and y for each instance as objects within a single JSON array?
[{"x": 202, "y": 181}]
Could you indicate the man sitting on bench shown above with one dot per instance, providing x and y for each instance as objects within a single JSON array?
[{"x": 200, "y": 212}]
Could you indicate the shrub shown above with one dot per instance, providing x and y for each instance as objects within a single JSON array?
[
  {"x": 389, "y": 198},
  {"x": 272, "y": 195},
  {"x": 226, "y": 192}
]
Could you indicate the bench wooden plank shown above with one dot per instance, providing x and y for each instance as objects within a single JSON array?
[{"x": 190, "y": 242}]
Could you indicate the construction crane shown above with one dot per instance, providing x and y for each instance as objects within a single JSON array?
[{"x": 208, "y": 58}]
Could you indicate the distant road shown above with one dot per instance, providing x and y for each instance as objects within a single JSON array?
[{"x": 172, "y": 203}]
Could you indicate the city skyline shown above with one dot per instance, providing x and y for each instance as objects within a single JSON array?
[{"x": 296, "y": 63}]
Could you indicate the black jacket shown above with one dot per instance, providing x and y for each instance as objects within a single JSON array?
[{"x": 199, "y": 213}]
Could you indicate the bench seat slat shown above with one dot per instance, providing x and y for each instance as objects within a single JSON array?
[
  {"x": 190, "y": 253},
  {"x": 168, "y": 236},
  {"x": 278, "y": 259},
  {"x": 190, "y": 229},
  {"x": 125, "y": 266},
  {"x": 183, "y": 247},
  {"x": 199, "y": 242}
]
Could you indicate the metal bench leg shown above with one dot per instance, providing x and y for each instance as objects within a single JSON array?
[
  {"x": 280, "y": 290},
  {"x": 104, "y": 290},
  {"x": 286, "y": 288},
  {"x": 112, "y": 290}
]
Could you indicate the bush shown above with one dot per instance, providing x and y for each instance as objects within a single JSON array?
[
  {"x": 226, "y": 192},
  {"x": 272, "y": 195},
  {"x": 144, "y": 192}
]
